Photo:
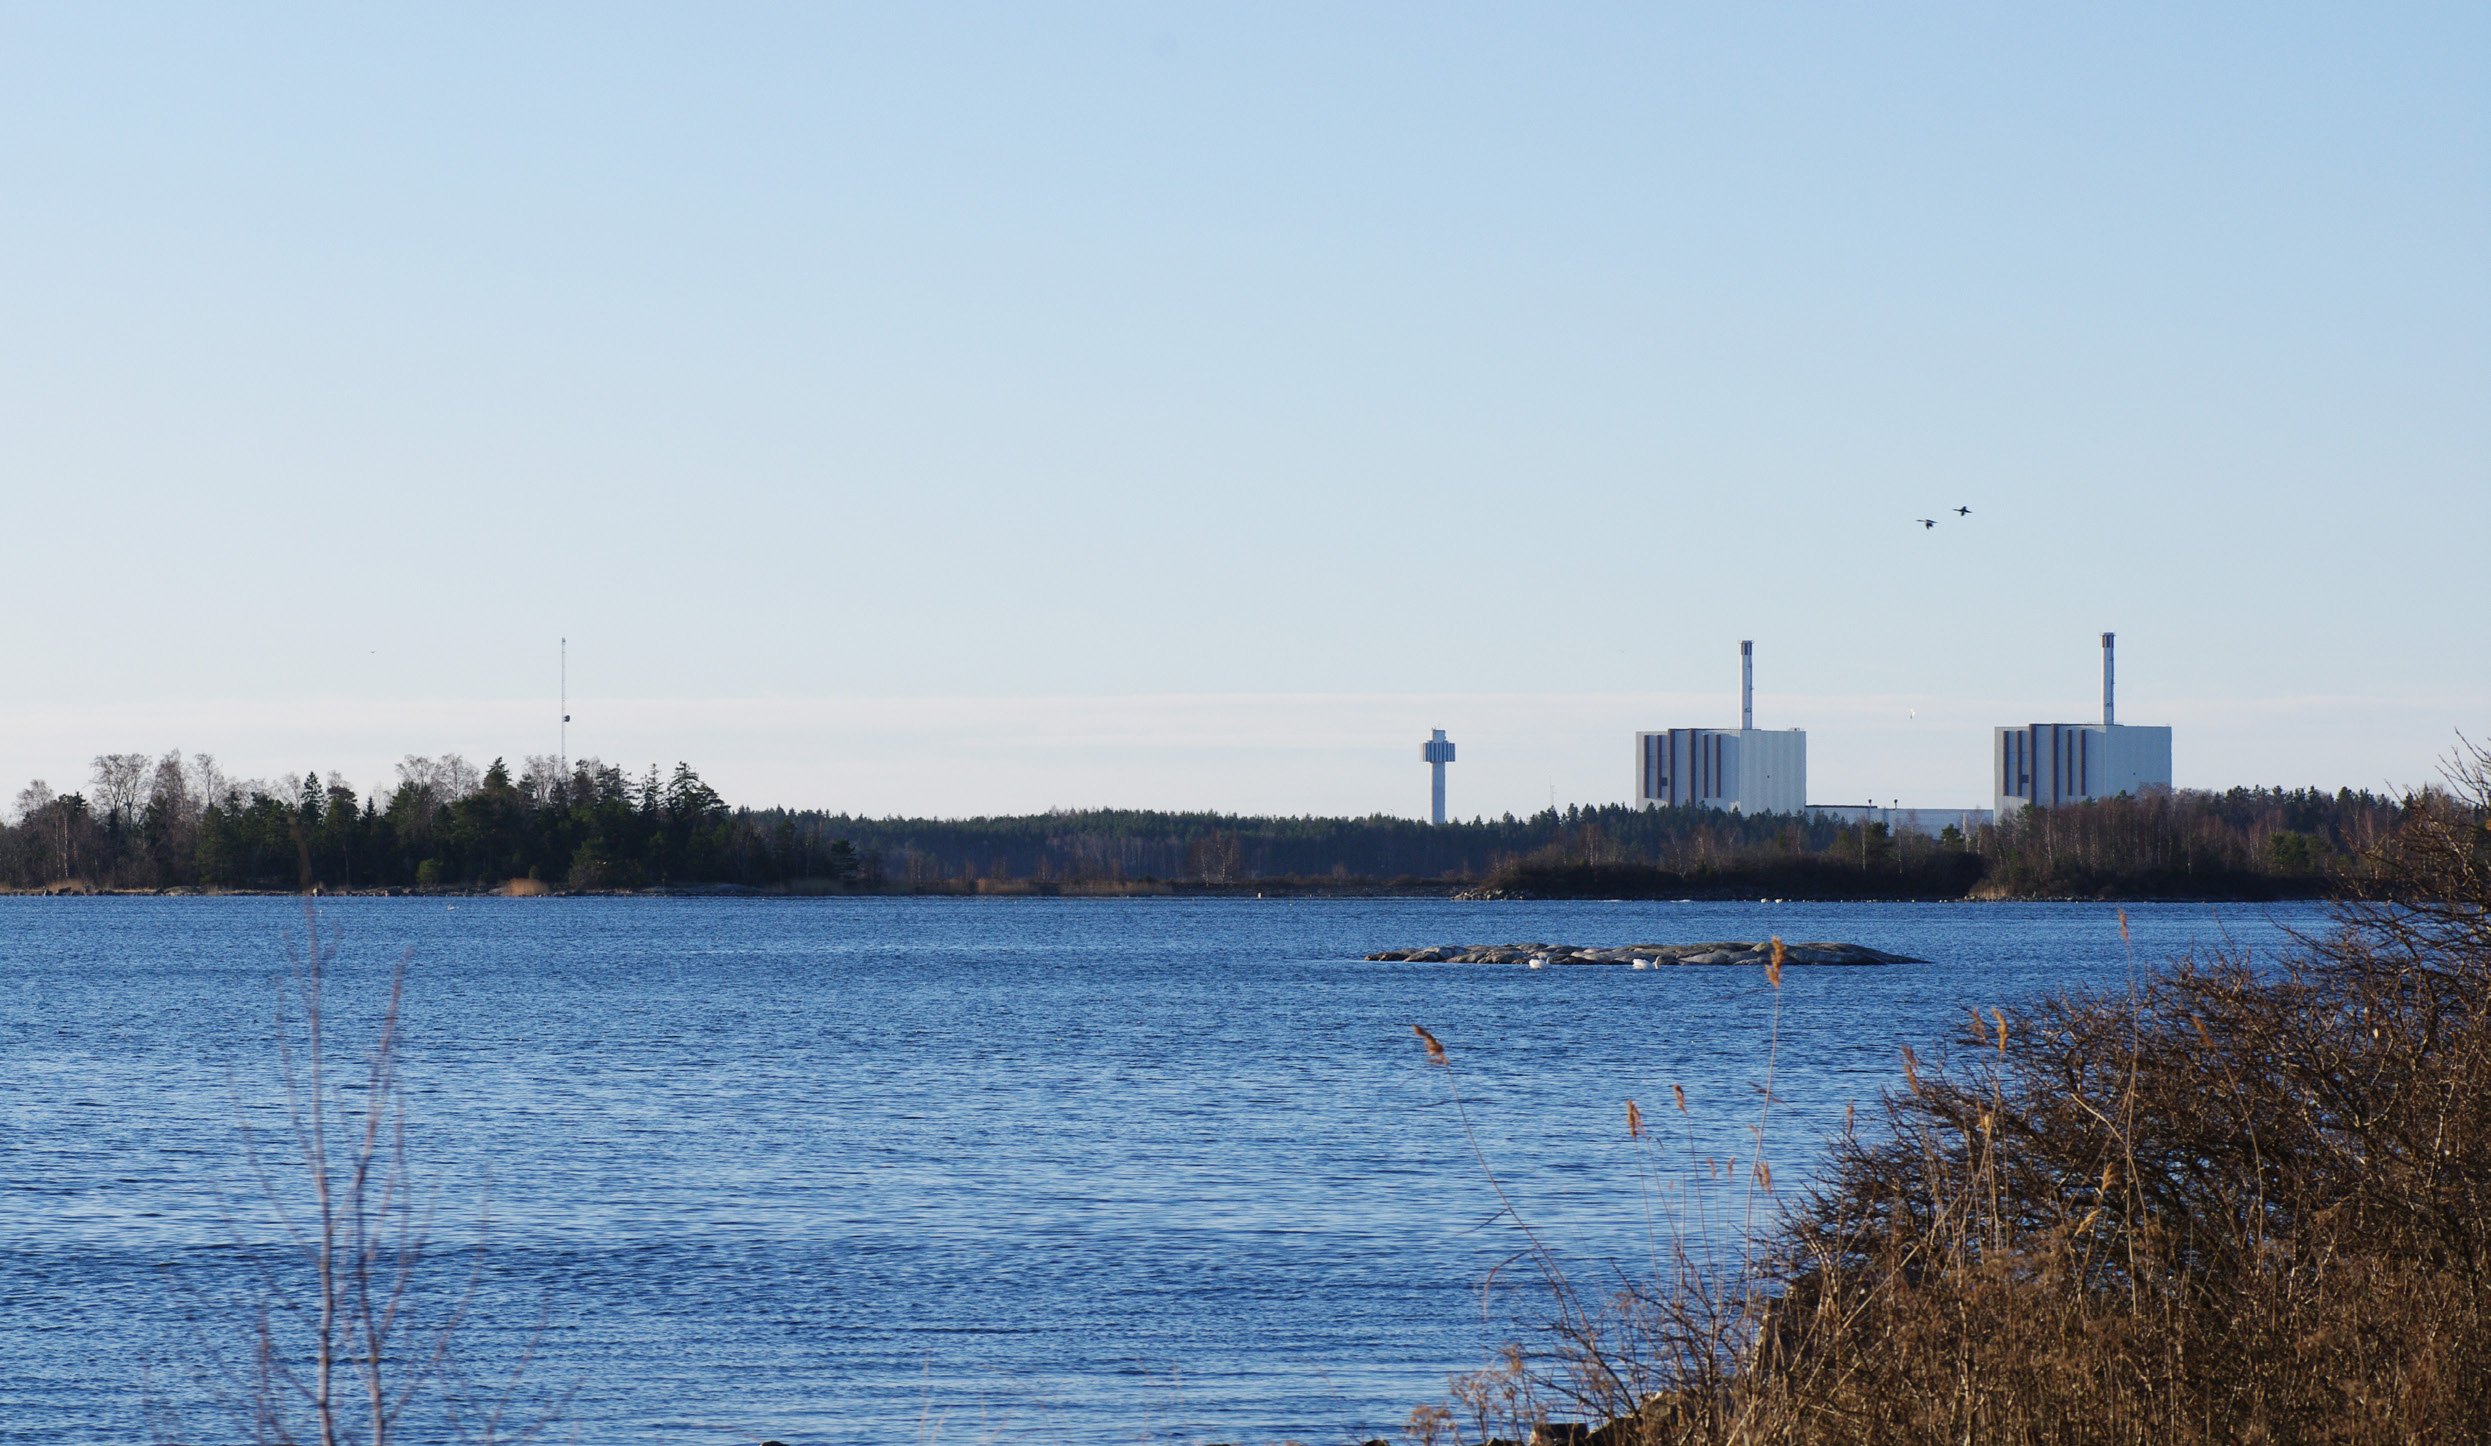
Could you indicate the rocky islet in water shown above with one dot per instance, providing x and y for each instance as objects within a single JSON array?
[{"x": 1647, "y": 956}]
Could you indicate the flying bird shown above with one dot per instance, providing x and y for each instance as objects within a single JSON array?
[
  {"x": 1963, "y": 512},
  {"x": 1926, "y": 521}
]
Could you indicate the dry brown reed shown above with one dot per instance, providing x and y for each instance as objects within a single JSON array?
[{"x": 2236, "y": 1200}]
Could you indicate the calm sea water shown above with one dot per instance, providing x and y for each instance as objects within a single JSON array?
[{"x": 958, "y": 1170}]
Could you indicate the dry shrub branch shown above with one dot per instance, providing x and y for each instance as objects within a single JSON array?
[
  {"x": 347, "y": 1332},
  {"x": 2226, "y": 1203}
]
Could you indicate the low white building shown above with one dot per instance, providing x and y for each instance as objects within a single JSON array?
[
  {"x": 2058, "y": 763},
  {"x": 1744, "y": 769},
  {"x": 1930, "y": 821}
]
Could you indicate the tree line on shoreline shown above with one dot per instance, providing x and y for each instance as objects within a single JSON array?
[
  {"x": 144, "y": 822},
  {"x": 2241, "y": 843},
  {"x": 176, "y": 822}
]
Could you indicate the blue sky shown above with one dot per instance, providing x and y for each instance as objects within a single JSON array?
[{"x": 956, "y": 409}]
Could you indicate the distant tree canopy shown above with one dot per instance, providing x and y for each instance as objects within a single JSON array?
[
  {"x": 2246, "y": 843},
  {"x": 445, "y": 824},
  {"x": 2242, "y": 843},
  {"x": 150, "y": 823}
]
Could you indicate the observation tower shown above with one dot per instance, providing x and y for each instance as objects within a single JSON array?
[{"x": 1437, "y": 753}]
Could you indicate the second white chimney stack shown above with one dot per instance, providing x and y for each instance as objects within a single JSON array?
[{"x": 2110, "y": 715}]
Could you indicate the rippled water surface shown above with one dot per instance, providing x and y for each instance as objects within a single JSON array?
[{"x": 899, "y": 1169}]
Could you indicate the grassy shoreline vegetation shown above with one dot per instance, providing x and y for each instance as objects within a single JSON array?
[
  {"x": 2233, "y": 1200},
  {"x": 147, "y": 824}
]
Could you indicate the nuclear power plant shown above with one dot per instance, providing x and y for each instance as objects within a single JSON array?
[
  {"x": 2055, "y": 763},
  {"x": 1744, "y": 769},
  {"x": 1753, "y": 770}
]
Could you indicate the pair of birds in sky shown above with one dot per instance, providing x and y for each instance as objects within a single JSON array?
[{"x": 1929, "y": 522}]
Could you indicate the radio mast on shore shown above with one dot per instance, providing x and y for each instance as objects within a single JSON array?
[{"x": 562, "y": 751}]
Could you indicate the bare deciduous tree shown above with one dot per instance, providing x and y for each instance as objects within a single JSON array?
[
  {"x": 56, "y": 822},
  {"x": 121, "y": 781},
  {"x": 169, "y": 790},
  {"x": 543, "y": 781},
  {"x": 208, "y": 783}
]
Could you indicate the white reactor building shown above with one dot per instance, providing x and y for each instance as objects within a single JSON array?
[
  {"x": 2054, "y": 763},
  {"x": 1746, "y": 769}
]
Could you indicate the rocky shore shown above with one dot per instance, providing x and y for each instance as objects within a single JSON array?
[{"x": 1642, "y": 956}]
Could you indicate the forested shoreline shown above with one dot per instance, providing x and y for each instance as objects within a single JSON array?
[{"x": 147, "y": 824}]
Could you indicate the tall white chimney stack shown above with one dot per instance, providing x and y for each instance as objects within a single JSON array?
[
  {"x": 1747, "y": 684},
  {"x": 2110, "y": 715}
]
